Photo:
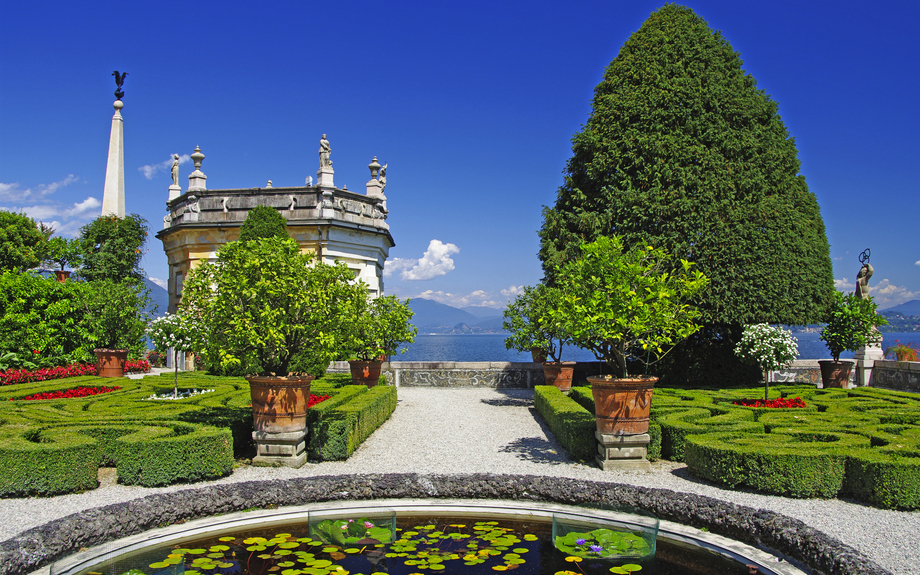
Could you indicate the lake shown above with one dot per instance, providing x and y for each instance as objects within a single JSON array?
[{"x": 491, "y": 347}]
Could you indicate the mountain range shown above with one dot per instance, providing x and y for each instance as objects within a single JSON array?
[
  {"x": 911, "y": 307},
  {"x": 433, "y": 317}
]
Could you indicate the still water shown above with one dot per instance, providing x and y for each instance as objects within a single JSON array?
[{"x": 491, "y": 347}]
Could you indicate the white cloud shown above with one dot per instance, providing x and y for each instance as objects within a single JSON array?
[
  {"x": 884, "y": 292},
  {"x": 513, "y": 291},
  {"x": 159, "y": 282},
  {"x": 844, "y": 285},
  {"x": 917, "y": 263},
  {"x": 151, "y": 170},
  {"x": 435, "y": 262},
  {"x": 887, "y": 294},
  {"x": 65, "y": 220},
  {"x": 477, "y": 298},
  {"x": 12, "y": 193}
]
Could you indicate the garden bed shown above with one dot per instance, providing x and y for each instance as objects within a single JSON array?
[{"x": 56, "y": 446}]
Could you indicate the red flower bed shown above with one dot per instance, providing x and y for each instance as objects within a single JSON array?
[
  {"x": 778, "y": 403},
  {"x": 314, "y": 399},
  {"x": 76, "y": 392},
  {"x": 137, "y": 366},
  {"x": 12, "y": 376}
]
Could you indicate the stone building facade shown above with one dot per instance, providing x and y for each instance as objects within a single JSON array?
[{"x": 335, "y": 224}]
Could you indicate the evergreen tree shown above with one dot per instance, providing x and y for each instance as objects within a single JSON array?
[
  {"x": 113, "y": 248},
  {"x": 263, "y": 222},
  {"x": 683, "y": 152}
]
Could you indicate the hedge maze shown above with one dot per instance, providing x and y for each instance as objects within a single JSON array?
[
  {"x": 56, "y": 446},
  {"x": 862, "y": 444}
]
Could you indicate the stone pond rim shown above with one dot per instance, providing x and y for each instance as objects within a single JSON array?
[{"x": 47, "y": 543}]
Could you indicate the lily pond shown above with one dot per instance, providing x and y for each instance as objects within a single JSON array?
[{"x": 378, "y": 545}]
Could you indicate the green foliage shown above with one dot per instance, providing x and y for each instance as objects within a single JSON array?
[
  {"x": 377, "y": 326},
  {"x": 21, "y": 242},
  {"x": 263, "y": 222},
  {"x": 851, "y": 324},
  {"x": 626, "y": 304},
  {"x": 347, "y": 532},
  {"x": 38, "y": 314},
  {"x": 114, "y": 314},
  {"x": 571, "y": 424},
  {"x": 113, "y": 247},
  {"x": 180, "y": 332},
  {"x": 262, "y": 304},
  {"x": 530, "y": 321},
  {"x": 342, "y": 428},
  {"x": 64, "y": 252},
  {"x": 683, "y": 152}
]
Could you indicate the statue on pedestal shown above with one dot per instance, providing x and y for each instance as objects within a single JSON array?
[
  {"x": 862, "y": 278},
  {"x": 324, "y": 152},
  {"x": 175, "y": 170}
]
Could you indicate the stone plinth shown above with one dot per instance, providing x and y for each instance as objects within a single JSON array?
[
  {"x": 324, "y": 178},
  {"x": 175, "y": 191},
  {"x": 622, "y": 451},
  {"x": 280, "y": 449}
]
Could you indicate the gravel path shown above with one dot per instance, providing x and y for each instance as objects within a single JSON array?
[{"x": 466, "y": 430}]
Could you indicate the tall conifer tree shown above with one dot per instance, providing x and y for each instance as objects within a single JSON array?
[{"x": 683, "y": 151}]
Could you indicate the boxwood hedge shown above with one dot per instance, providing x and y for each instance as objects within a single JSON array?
[
  {"x": 861, "y": 443},
  {"x": 56, "y": 446}
]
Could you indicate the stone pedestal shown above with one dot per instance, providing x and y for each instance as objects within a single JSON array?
[
  {"x": 280, "y": 449},
  {"x": 175, "y": 191},
  {"x": 865, "y": 361},
  {"x": 324, "y": 178},
  {"x": 622, "y": 451}
]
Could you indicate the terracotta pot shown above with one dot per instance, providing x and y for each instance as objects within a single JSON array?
[
  {"x": 61, "y": 275},
  {"x": 835, "y": 373},
  {"x": 279, "y": 404},
  {"x": 559, "y": 374},
  {"x": 110, "y": 362},
  {"x": 538, "y": 354},
  {"x": 365, "y": 372},
  {"x": 621, "y": 406}
]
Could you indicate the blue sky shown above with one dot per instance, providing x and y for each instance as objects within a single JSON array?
[{"x": 472, "y": 105}]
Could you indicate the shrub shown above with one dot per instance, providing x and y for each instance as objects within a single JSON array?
[
  {"x": 263, "y": 222},
  {"x": 571, "y": 423}
]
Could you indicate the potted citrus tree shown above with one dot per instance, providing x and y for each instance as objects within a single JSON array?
[
  {"x": 63, "y": 252},
  {"x": 377, "y": 328},
  {"x": 114, "y": 322},
  {"x": 533, "y": 329},
  {"x": 625, "y": 306},
  {"x": 262, "y": 303},
  {"x": 852, "y": 324}
]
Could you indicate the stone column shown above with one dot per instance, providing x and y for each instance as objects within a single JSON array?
[{"x": 113, "y": 194}]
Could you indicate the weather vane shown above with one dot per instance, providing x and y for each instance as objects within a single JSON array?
[
  {"x": 864, "y": 257},
  {"x": 119, "y": 81}
]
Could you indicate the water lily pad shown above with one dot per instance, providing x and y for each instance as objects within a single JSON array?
[
  {"x": 530, "y": 537},
  {"x": 196, "y": 551},
  {"x": 256, "y": 548},
  {"x": 159, "y": 565},
  {"x": 283, "y": 552},
  {"x": 351, "y": 550},
  {"x": 228, "y": 538},
  {"x": 499, "y": 568},
  {"x": 572, "y": 559},
  {"x": 219, "y": 548},
  {"x": 632, "y": 567},
  {"x": 289, "y": 545},
  {"x": 215, "y": 555},
  {"x": 437, "y": 567},
  {"x": 224, "y": 565},
  {"x": 521, "y": 550},
  {"x": 330, "y": 549},
  {"x": 282, "y": 535}
]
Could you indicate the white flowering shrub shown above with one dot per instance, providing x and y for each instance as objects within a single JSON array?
[
  {"x": 172, "y": 331},
  {"x": 767, "y": 347}
]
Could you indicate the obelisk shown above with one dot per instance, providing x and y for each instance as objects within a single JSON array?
[{"x": 113, "y": 194}]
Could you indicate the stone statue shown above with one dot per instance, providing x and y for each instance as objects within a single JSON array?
[
  {"x": 175, "y": 169},
  {"x": 324, "y": 152},
  {"x": 862, "y": 278},
  {"x": 309, "y": 181},
  {"x": 383, "y": 177},
  {"x": 119, "y": 82}
]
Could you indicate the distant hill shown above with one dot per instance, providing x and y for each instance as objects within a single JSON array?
[
  {"x": 158, "y": 297},
  {"x": 433, "y": 317},
  {"x": 909, "y": 308},
  {"x": 483, "y": 312}
]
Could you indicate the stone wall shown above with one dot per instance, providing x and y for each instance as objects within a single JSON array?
[
  {"x": 898, "y": 375},
  {"x": 502, "y": 374}
]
